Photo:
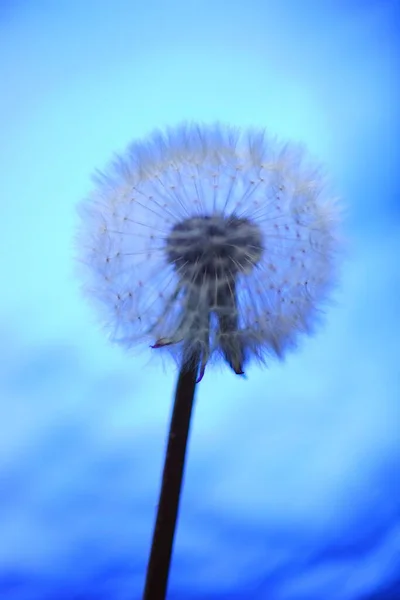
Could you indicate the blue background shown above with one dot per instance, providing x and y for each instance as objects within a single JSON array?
[{"x": 292, "y": 481}]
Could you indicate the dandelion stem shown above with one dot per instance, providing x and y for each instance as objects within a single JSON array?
[{"x": 164, "y": 530}]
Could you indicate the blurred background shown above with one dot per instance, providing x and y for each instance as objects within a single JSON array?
[{"x": 292, "y": 480}]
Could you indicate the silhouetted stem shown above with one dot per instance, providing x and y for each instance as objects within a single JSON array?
[{"x": 163, "y": 536}]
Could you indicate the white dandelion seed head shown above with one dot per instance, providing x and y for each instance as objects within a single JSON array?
[{"x": 210, "y": 242}]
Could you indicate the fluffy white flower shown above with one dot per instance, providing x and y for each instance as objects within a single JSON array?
[{"x": 209, "y": 241}]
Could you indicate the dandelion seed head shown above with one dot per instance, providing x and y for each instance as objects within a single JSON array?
[{"x": 210, "y": 241}]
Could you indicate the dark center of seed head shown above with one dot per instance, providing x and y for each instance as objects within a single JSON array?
[{"x": 213, "y": 247}]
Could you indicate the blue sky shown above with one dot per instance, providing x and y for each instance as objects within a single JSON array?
[{"x": 292, "y": 481}]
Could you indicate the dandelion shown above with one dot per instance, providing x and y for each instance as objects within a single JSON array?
[{"x": 209, "y": 244}]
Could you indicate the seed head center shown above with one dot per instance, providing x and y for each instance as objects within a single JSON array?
[{"x": 213, "y": 247}]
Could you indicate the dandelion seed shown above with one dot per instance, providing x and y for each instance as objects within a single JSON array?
[{"x": 227, "y": 240}]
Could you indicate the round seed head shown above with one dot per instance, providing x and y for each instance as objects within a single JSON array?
[{"x": 210, "y": 241}]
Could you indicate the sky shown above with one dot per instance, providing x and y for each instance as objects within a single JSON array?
[{"x": 292, "y": 480}]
